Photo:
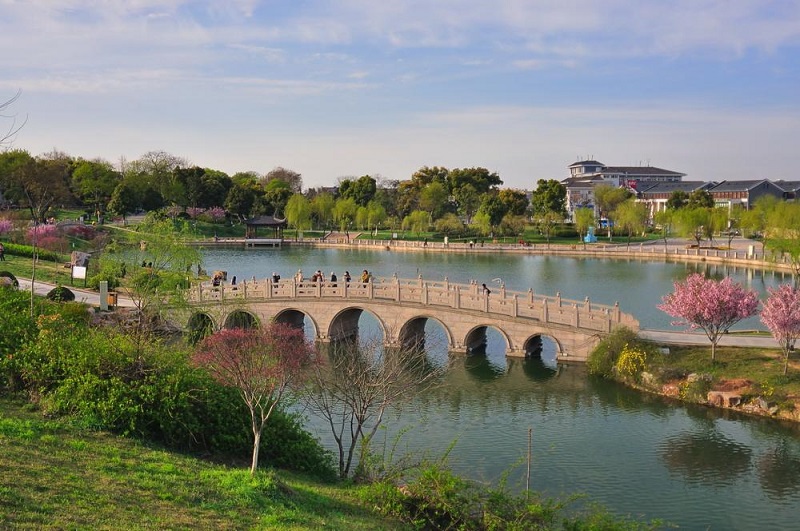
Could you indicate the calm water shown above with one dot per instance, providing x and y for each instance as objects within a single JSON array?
[{"x": 636, "y": 454}]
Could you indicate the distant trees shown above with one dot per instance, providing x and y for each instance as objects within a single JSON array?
[
  {"x": 710, "y": 305},
  {"x": 263, "y": 365},
  {"x": 549, "y": 196}
]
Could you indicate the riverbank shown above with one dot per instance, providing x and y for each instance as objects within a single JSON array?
[
  {"x": 747, "y": 375},
  {"x": 741, "y": 252}
]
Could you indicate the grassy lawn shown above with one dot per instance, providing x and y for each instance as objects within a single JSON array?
[
  {"x": 46, "y": 271},
  {"x": 763, "y": 367},
  {"x": 54, "y": 476}
]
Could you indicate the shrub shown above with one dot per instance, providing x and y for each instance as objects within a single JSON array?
[
  {"x": 6, "y": 226},
  {"x": 84, "y": 232},
  {"x": 60, "y": 294},
  {"x": 630, "y": 363},
  {"x": 604, "y": 356},
  {"x": 9, "y": 274}
]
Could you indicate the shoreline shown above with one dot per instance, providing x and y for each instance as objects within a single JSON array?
[{"x": 742, "y": 253}]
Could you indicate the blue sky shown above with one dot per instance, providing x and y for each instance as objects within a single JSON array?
[{"x": 332, "y": 89}]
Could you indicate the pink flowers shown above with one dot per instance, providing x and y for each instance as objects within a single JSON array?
[
  {"x": 6, "y": 226},
  {"x": 713, "y": 306},
  {"x": 781, "y": 314}
]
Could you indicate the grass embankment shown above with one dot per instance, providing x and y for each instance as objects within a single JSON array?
[
  {"x": 56, "y": 476},
  {"x": 46, "y": 271}
]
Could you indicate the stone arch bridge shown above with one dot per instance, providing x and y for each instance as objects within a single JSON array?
[{"x": 402, "y": 308}]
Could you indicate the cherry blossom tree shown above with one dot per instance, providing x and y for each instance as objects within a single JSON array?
[
  {"x": 710, "y": 305},
  {"x": 263, "y": 364},
  {"x": 781, "y": 314}
]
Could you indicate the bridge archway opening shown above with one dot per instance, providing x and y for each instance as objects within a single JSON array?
[
  {"x": 200, "y": 325},
  {"x": 241, "y": 319},
  {"x": 299, "y": 320},
  {"x": 359, "y": 325},
  {"x": 486, "y": 351},
  {"x": 543, "y": 348},
  {"x": 428, "y": 335}
]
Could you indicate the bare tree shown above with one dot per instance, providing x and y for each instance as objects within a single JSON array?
[
  {"x": 7, "y": 136},
  {"x": 358, "y": 384}
]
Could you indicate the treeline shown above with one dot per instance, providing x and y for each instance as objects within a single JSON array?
[{"x": 450, "y": 201}]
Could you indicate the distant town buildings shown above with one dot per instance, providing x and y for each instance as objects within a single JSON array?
[{"x": 654, "y": 186}]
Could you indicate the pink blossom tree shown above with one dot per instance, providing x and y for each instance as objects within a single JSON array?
[
  {"x": 262, "y": 364},
  {"x": 781, "y": 314},
  {"x": 710, "y": 305}
]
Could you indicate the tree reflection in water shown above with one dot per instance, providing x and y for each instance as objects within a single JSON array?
[
  {"x": 779, "y": 472},
  {"x": 706, "y": 457}
]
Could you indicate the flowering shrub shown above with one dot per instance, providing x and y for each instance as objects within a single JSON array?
[
  {"x": 40, "y": 232},
  {"x": 630, "y": 363},
  {"x": 194, "y": 212},
  {"x": 214, "y": 215},
  {"x": 84, "y": 232},
  {"x": 6, "y": 226},
  {"x": 52, "y": 243}
]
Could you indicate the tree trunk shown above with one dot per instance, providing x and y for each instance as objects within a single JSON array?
[
  {"x": 256, "y": 446},
  {"x": 713, "y": 350}
]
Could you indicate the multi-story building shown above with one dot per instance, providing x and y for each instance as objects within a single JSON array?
[{"x": 585, "y": 175}]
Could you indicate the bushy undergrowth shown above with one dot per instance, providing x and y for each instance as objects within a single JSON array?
[
  {"x": 621, "y": 354},
  {"x": 112, "y": 381},
  {"x": 438, "y": 499}
]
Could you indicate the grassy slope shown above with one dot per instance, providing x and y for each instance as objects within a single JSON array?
[{"x": 53, "y": 476}]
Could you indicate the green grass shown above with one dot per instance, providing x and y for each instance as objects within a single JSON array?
[
  {"x": 761, "y": 366},
  {"x": 56, "y": 476},
  {"x": 46, "y": 271}
]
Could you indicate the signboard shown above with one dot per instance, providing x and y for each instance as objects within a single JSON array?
[{"x": 79, "y": 272}]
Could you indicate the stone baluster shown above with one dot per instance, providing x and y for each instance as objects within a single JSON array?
[
  {"x": 545, "y": 313},
  {"x": 577, "y": 315},
  {"x": 457, "y": 297},
  {"x": 424, "y": 294},
  {"x": 514, "y": 306},
  {"x": 616, "y": 312},
  {"x": 558, "y": 299}
]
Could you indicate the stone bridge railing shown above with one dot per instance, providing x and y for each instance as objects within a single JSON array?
[{"x": 501, "y": 303}]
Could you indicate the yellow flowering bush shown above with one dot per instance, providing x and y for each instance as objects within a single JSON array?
[{"x": 631, "y": 362}]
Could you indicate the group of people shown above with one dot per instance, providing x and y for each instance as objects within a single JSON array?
[{"x": 318, "y": 276}]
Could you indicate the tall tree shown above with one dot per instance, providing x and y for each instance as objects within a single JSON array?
[
  {"x": 781, "y": 314},
  {"x": 94, "y": 181},
  {"x": 549, "y": 196},
  {"x": 298, "y": 212},
  {"x": 433, "y": 198},
  {"x": 322, "y": 209},
  {"x": 38, "y": 184},
  {"x": 584, "y": 218},
  {"x": 678, "y": 199},
  {"x": 264, "y": 365},
  {"x": 468, "y": 201},
  {"x": 692, "y": 222},
  {"x": 710, "y": 305},
  {"x": 344, "y": 214},
  {"x": 290, "y": 177},
  {"x": 480, "y": 178},
  {"x": 632, "y": 217},
  {"x": 516, "y": 201},
  {"x": 782, "y": 235},
  {"x": 700, "y": 199},
  {"x": 360, "y": 190},
  {"x": 608, "y": 198}
]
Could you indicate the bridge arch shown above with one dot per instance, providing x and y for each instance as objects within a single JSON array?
[
  {"x": 476, "y": 337},
  {"x": 412, "y": 332},
  {"x": 199, "y": 326},
  {"x": 297, "y": 318},
  {"x": 241, "y": 319},
  {"x": 344, "y": 324},
  {"x": 533, "y": 345}
]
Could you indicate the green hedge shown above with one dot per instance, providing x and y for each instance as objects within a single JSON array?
[{"x": 26, "y": 251}]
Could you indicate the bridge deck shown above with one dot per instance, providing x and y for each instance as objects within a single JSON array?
[{"x": 442, "y": 294}]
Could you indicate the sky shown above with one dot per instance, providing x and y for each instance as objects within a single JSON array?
[{"x": 332, "y": 89}]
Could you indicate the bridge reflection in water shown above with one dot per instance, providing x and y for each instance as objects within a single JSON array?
[{"x": 402, "y": 307}]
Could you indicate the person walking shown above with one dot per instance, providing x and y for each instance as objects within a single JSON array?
[{"x": 2, "y": 253}]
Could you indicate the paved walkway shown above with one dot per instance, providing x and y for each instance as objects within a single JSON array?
[
  {"x": 90, "y": 297},
  {"x": 678, "y": 337}
]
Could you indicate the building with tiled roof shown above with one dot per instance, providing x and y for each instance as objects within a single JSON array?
[
  {"x": 656, "y": 195},
  {"x": 744, "y": 193},
  {"x": 586, "y": 174}
]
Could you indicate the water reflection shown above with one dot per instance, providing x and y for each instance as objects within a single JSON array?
[
  {"x": 779, "y": 472},
  {"x": 706, "y": 457}
]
